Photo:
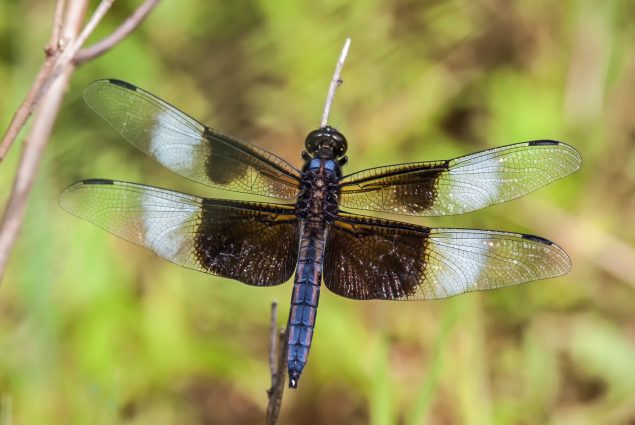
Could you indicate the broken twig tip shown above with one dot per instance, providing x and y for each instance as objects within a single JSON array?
[{"x": 336, "y": 81}]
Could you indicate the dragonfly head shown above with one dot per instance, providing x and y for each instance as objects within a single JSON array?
[{"x": 326, "y": 138}]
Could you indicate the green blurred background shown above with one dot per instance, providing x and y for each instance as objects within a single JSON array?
[{"x": 94, "y": 330}]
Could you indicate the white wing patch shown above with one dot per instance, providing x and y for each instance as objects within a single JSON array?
[
  {"x": 161, "y": 218},
  {"x": 447, "y": 277},
  {"x": 475, "y": 184},
  {"x": 167, "y": 143}
]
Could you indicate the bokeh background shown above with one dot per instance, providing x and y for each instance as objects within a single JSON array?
[{"x": 94, "y": 330}]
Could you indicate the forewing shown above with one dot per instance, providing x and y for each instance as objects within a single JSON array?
[
  {"x": 254, "y": 243},
  {"x": 187, "y": 147},
  {"x": 462, "y": 184},
  {"x": 369, "y": 258}
]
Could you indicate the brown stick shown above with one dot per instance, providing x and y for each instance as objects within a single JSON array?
[
  {"x": 66, "y": 58},
  {"x": 277, "y": 384},
  {"x": 273, "y": 339},
  {"x": 59, "y": 57},
  {"x": 47, "y": 91},
  {"x": 101, "y": 47},
  {"x": 34, "y": 145},
  {"x": 25, "y": 110},
  {"x": 55, "y": 41},
  {"x": 57, "y": 62}
]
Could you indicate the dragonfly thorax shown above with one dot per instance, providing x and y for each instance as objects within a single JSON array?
[{"x": 318, "y": 198}]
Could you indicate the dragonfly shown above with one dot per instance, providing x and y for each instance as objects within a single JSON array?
[{"x": 309, "y": 230}]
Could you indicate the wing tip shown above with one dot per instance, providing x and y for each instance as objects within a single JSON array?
[
  {"x": 66, "y": 199},
  {"x": 577, "y": 157},
  {"x": 561, "y": 254},
  {"x": 103, "y": 83}
]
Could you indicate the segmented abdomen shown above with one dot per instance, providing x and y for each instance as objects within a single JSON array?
[{"x": 304, "y": 302}]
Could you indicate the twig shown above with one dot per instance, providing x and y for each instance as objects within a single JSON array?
[
  {"x": 34, "y": 146},
  {"x": 277, "y": 387},
  {"x": 47, "y": 91},
  {"x": 66, "y": 58},
  {"x": 336, "y": 81},
  {"x": 56, "y": 63},
  {"x": 33, "y": 150},
  {"x": 58, "y": 60},
  {"x": 101, "y": 47},
  {"x": 273, "y": 343},
  {"x": 55, "y": 42},
  {"x": 25, "y": 110}
]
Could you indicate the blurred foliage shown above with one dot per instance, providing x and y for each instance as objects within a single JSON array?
[{"x": 94, "y": 330}]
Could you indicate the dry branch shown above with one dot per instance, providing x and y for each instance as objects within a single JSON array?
[
  {"x": 278, "y": 366},
  {"x": 336, "y": 81},
  {"x": 101, "y": 47},
  {"x": 55, "y": 41},
  {"x": 47, "y": 92}
]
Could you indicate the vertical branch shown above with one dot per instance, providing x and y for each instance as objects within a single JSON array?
[
  {"x": 277, "y": 387},
  {"x": 277, "y": 365},
  {"x": 273, "y": 343},
  {"x": 336, "y": 81},
  {"x": 56, "y": 33}
]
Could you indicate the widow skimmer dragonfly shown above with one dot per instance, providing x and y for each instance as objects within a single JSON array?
[{"x": 359, "y": 257}]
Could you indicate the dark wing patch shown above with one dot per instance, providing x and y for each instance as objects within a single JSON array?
[
  {"x": 254, "y": 243},
  {"x": 187, "y": 147},
  {"x": 369, "y": 258},
  {"x": 462, "y": 184}
]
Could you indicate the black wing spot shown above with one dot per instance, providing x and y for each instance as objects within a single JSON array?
[
  {"x": 537, "y": 239},
  {"x": 98, "y": 181},
  {"x": 224, "y": 172},
  {"x": 543, "y": 143},
  {"x": 123, "y": 84}
]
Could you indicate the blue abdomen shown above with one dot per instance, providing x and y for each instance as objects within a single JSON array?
[{"x": 304, "y": 301}]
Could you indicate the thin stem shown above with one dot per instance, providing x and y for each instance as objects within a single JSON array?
[
  {"x": 55, "y": 64},
  {"x": 101, "y": 47},
  {"x": 275, "y": 393},
  {"x": 55, "y": 42},
  {"x": 273, "y": 334},
  {"x": 35, "y": 143},
  {"x": 25, "y": 109},
  {"x": 336, "y": 81},
  {"x": 58, "y": 60},
  {"x": 47, "y": 92},
  {"x": 68, "y": 55}
]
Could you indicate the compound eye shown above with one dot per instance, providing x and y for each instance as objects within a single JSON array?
[
  {"x": 342, "y": 145},
  {"x": 313, "y": 139},
  {"x": 310, "y": 145}
]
